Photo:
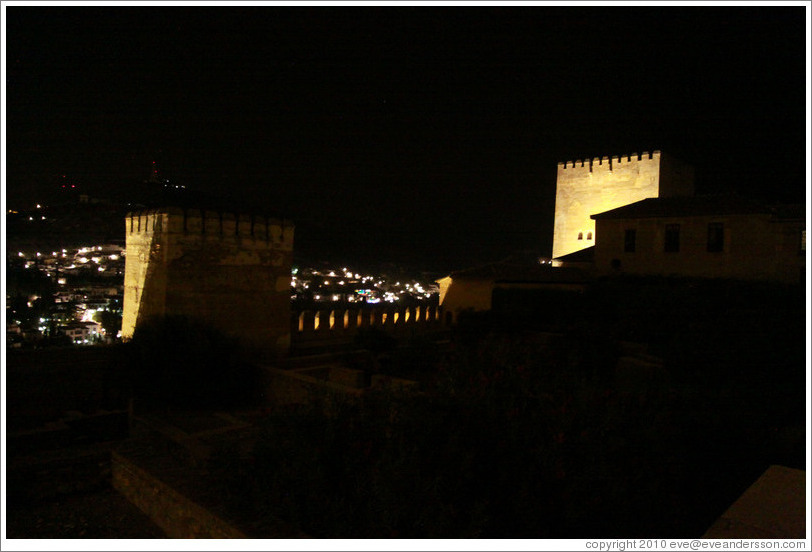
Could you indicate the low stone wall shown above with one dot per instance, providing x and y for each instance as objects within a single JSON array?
[
  {"x": 176, "y": 514},
  {"x": 392, "y": 383},
  {"x": 327, "y": 382},
  {"x": 72, "y": 429},
  {"x": 304, "y": 385},
  {"x": 167, "y": 479}
]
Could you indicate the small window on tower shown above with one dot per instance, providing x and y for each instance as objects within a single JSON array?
[
  {"x": 580, "y": 235},
  {"x": 589, "y": 235},
  {"x": 630, "y": 240},
  {"x": 671, "y": 238},
  {"x": 716, "y": 237}
]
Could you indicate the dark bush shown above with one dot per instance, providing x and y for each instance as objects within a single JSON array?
[
  {"x": 527, "y": 434},
  {"x": 181, "y": 362},
  {"x": 375, "y": 340}
]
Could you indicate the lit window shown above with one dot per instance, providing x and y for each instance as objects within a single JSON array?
[
  {"x": 716, "y": 237},
  {"x": 672, "y": 238}
]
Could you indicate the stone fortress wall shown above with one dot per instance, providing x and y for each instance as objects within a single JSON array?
[
  {"x": 343, "y": 321},
  {"x": 590, "y": 186},
  {"x": 229, "y": 270}
]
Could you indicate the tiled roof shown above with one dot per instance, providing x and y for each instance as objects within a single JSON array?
[
  {"x": 586, "y": 255},
  {"x": 687, "y": 206},
  {"x": 789, "y": 212},
  {"x": 521, "y": 272}
]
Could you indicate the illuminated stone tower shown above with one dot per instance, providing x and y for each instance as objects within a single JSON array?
[
  {"x": 588, "y": 187},
  {"x": 229, "y": 270}
]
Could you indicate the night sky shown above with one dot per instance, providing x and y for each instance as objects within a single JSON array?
[{"x": 424, "y": 135}]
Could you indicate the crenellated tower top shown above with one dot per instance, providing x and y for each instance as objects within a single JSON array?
[
  {"x": 609, "y": 163},
  {"x": 222, "y": 225}
]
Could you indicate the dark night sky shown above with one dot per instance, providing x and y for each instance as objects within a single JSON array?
[{"x": 428, "y": 135}]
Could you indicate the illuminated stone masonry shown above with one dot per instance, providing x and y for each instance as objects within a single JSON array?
[
  {"x": 588, "y": 187},
  {"x": 229, "y": 270}
]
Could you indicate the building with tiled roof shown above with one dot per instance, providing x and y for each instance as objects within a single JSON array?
[
  {"x": 472, "y": 289},
  {"x": 705, "y": 237}
]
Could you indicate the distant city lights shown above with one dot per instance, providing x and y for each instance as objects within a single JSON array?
[{"x": 355, "y": 288}]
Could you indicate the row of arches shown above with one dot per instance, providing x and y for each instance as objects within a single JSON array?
[{"x": 340, "y": 319}]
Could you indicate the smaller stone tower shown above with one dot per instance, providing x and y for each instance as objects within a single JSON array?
[
  {"x": 229, "y": 270},
  {"x": 588, "y": 187}
]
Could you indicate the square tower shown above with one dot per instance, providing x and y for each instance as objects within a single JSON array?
[
  {"x": 228, "y": 270},
  {"x": 588, "y": 187}
]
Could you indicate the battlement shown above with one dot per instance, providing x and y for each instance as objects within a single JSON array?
[
  {"x": 190, "y": 222},
  {"x": 610, "y": 162}
]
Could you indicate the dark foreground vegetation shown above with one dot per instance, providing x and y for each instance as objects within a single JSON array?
[
  {"x": 522, "y": 433},
  {"x": 530, "y": 423}
]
